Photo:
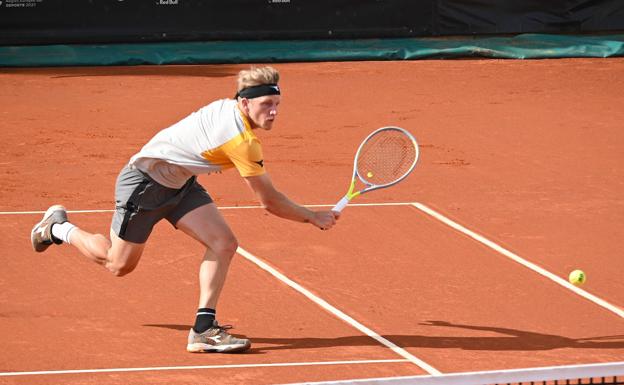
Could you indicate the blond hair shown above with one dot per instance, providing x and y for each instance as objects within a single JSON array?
[{"x": 256, "y": 76}]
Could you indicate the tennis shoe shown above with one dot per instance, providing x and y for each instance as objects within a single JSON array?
[
  {"x": 41, "y": 235},
  {"x": 216, "y": 339}
]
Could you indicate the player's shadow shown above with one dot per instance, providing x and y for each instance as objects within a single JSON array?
[{"x": 507, "y": 340}]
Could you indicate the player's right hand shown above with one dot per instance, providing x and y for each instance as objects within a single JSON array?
[{"x": 324, "y": 220}]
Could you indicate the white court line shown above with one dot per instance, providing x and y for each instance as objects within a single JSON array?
[
  {"x": 234, "y": 366},
  {"x": 219, "y": 207},
  {"x": 511, "y": 376},
  {"x": 520, "y": 260},
  {"x": 408, "y": 357},
  {"x": 338, "y": 313},
  {"x": 618, "y": 311}
]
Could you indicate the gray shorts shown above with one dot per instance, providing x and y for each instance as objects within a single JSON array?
[{"x": 140, "y": 202}]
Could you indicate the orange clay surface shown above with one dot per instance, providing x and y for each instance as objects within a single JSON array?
[{"x": 526, "y": 153}]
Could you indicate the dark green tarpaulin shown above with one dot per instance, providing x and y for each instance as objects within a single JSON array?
[{"x": 525, "y": 46}]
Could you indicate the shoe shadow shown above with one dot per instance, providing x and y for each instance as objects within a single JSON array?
[
  {"x": 509, "y": 340},
  {"x": 170, "y": 326}
]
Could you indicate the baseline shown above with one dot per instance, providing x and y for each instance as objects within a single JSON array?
[
  {"x": 94, "y": 211},
  {"x": 436, "y": 215},
  {"x": 195, "y": 367}
]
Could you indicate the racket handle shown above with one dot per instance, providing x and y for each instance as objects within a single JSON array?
[{"x": 341, "y": 204}]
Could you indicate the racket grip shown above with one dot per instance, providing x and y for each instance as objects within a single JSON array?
[{"x": 341, "y": 204}]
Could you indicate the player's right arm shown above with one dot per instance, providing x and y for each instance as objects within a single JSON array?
[{"x": 278, "y": 204}]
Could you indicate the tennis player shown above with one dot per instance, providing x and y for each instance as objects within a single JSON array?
[{"x": 159, "y": 182}]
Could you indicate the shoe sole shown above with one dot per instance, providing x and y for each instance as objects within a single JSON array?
[
  {"x": 206, "y": 348},
  {"x": 47, "y": 215}
]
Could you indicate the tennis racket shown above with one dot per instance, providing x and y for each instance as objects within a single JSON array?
[{"x": 383, "y": 159}]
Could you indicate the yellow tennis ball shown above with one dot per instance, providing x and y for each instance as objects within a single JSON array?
[
  {"x": 577, "y": 277},
  {"x": 369, "y": 174}
]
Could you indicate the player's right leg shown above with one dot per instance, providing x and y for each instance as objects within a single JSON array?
[
  {"x": 117, "y": 255},
  {"x": 131, "y": 225},
  {"x": 120, "y": 257},
  {"x": 41, "y": 234}
]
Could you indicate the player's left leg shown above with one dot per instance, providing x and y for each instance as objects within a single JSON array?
[
  {"x": 198, "y": 216},
  {"x": 206, "y": 225}
]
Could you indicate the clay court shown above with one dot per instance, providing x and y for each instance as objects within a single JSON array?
[{"x": 520, "y": 161}]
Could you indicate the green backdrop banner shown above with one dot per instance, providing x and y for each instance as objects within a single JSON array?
[{"x": 525, "y": 46}]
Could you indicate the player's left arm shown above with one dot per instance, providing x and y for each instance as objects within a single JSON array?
[{"x": 280, "y": 205}]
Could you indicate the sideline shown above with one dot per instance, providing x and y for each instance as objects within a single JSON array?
[
  {"x": 516, "y": 258},
  {"x": 338, "y": 313}
]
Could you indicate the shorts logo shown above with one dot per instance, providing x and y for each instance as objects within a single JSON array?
[{"x": 260, "y": 162}]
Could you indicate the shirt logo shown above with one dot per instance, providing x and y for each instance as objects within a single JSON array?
[{"x": 260, "y": 162}]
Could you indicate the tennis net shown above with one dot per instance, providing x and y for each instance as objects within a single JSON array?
[{"x": 603, "y": 373}]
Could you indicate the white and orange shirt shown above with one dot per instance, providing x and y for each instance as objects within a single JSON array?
[{"x": 212, "y": 139}]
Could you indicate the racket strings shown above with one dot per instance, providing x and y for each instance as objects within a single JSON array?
[{"x": 386, "y": 157}]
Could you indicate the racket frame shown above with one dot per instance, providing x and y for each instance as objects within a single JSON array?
[{"x": 351, "y": 193}]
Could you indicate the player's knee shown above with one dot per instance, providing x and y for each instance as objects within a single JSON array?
[
  {"x": 226, "y": 248},
  {"x": 121, "y": 270},
  {"x": 122, "y": 265}
]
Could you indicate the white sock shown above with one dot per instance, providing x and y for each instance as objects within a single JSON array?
[{"x": 63, "y": 231}]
